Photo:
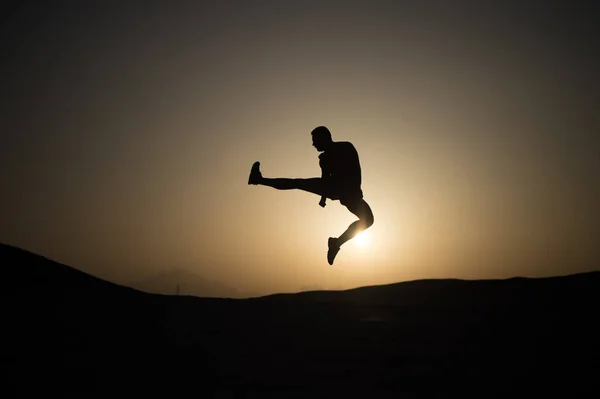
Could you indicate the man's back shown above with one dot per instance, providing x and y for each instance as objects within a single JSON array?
[{"x": 342, "y": 162}]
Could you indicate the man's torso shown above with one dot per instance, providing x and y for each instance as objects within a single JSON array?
[{"x": 342, "y": 162}]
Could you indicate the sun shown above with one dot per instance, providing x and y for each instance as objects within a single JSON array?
[{"x": 362, "y": 239}]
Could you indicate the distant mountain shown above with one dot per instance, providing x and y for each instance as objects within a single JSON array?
[{"x": 188, "y": 283}]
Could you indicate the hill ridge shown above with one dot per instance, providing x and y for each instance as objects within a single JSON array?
[{"x": 70, "y": 272}]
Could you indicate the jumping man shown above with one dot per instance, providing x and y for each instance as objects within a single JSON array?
[{"x": 340, "y": 180}]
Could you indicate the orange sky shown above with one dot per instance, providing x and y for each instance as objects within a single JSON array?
[{"x": 130, "y": 132}]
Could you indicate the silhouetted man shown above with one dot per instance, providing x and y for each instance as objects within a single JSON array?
[{"x": 340, "y": 180}]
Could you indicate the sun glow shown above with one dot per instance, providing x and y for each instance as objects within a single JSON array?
[{"x": 362, "y": 239}]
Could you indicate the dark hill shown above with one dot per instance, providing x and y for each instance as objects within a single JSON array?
[
  {"x": 456, "y": 293},
  {"x": 43, "y": 276},
  {"x": 69, "y": 331}
]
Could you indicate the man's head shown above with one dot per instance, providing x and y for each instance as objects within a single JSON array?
[{"x": 321, "y": 138}]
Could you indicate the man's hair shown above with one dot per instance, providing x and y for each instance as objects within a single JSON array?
[{"x": 321, "y": 131}]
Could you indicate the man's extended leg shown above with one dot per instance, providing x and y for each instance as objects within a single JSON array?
[
  {"x": 365, "y": 220},
  {"x": 312, "y": 185}
]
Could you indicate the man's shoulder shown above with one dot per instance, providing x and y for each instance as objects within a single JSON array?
[
  {"x": 338, "y": 148},
  {"x": 344, "y": 146}
]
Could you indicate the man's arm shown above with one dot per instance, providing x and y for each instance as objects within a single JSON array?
[
  {"x": 325, "y": 174},
  {"x": 323, "y": 198}
]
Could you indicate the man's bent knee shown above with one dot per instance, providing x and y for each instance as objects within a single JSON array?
[
  {"x": 367, "y": 217},
  {"x": 368, "y": 220}
]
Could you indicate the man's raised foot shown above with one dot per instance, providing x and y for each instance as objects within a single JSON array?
[{"x": 255, "y": 175}]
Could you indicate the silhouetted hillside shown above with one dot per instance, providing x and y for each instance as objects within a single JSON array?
[
  {"x": 453, "y": 292},
  {"x": 55, "y": 306},
  {"x": 35, "y": 274},
  {"x": 73, "y": 332}
]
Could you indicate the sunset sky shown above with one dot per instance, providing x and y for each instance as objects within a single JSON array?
[{"x": 128, "y": 130}]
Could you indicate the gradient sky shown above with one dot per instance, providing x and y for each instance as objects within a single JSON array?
[{"x": 129, "y": 128}]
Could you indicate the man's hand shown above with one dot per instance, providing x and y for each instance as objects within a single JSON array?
[{"x": 322, "y": 202}]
